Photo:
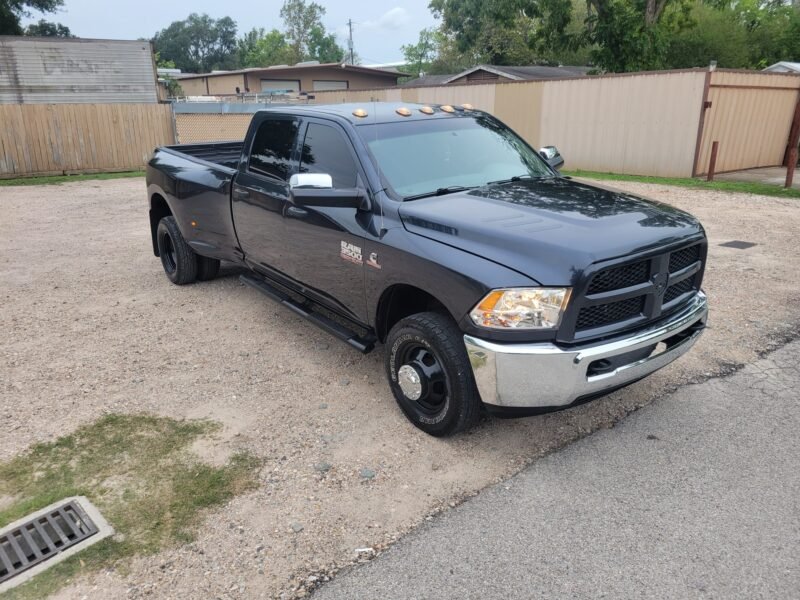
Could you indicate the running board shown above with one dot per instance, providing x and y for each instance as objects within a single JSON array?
[{"x": 362, "y": 344}]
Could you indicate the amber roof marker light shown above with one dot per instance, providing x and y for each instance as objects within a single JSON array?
[
  {"x": 467, "y": 107},
  {"x": 403, "y": 112},
  {"x": 426, "y": 110},
  {"x": 447, "y": 108},
  {"x": 360, "y": 113}
]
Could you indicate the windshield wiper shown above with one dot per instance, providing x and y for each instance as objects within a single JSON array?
[
  {"x": 441, "y": 192},
  {"x": 511, "y": 179}
]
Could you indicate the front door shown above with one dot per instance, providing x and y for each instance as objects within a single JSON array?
[{"x": 327, "y": 244}]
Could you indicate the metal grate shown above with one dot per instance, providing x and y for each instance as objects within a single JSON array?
[
  {"x": 603, "y": 314},
  {"x": 619, "y": 277},
  {"x": 679, "y": 289},
  {"x": 683, "y": 258},
  {"x": 44, "y": 537}
]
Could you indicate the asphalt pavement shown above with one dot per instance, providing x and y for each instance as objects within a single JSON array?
[{"x": 694, "y": 496}]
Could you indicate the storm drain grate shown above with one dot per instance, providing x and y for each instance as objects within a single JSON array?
[
  {"x": 43, "y": 537},
  {"x": 738, "y": 244}
]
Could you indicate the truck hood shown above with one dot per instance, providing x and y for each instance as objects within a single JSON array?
[{"x": 548, "y": 229}]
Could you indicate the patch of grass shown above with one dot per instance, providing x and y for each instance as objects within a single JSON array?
[
  {"x": 137, "y": 469},
  {"x": 57, "y": 179},
  {"x": 762, "y": 189}
]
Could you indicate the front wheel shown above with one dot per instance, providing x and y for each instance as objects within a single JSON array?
[
  {"x": 177, "y": 257},
  {"x": 430, "y": 374}
]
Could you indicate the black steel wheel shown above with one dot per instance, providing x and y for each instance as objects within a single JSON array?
[
  {"x": 430, "y": 374},
  {"x": 177, "y": 257}
]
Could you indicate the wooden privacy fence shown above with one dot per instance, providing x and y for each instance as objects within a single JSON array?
[{"x": 52, "y": 139}]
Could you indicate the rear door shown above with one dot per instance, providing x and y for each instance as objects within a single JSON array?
[
  {"x": 327, "y": 243},
  {"x": 261, "y": 191}
]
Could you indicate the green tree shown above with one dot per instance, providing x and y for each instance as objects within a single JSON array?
[
  {"x": 716, "y": 34},
  {"x": 12, "y": 12},
  {"x": 504, "y": 32},
  {"x": 421, "y": 55},
  {"x": 322, "y": 46},
  {"x": 270, "y": 49},
  {"x": 246, "y": 45},
  {"x": 199, "y": 43},
  {"x": 300, "y": 18},
  {"x": 48, "y": 29}
]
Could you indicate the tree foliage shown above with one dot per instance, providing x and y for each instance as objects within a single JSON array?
[
  {"x": 612, "y": 35},
  {"x": 199, "y": 43},
  {"x": 12, "y": 12},
  {"x": 299, "y": 19},
  {"x": 48, "y": 29}
]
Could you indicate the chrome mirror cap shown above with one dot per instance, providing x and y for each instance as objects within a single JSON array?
[{"x": 311, "y": 180}]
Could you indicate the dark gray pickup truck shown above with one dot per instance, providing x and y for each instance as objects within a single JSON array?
[{"x": 492, "y": 281}]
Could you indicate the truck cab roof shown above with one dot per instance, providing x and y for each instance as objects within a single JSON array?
[{"x": 370, "y": 113}]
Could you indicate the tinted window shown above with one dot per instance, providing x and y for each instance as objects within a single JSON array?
[
  {"x": 420, "y": 156},
  {"x": 272, "y": 148},
  {"x": 327, "y": 151}
]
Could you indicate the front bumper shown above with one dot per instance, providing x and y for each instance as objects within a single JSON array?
[{"x": 547, "y": 377}]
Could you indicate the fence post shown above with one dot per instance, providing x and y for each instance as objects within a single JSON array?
[
  {"x": 712, "y": 163},
  {"x": 791, "y": 164}
]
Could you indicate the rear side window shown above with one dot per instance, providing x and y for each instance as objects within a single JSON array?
[
  {"x": 325, "y": 150},
  {"x": 271, "y": 153}
]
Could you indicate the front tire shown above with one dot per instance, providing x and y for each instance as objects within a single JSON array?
[
  {"x": 430, "y": 374},
  {"x": 177, "y": 257}
]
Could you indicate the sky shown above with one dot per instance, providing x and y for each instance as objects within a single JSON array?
[{"x": 380, "y": 27}]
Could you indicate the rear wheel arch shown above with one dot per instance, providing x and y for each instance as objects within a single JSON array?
[{"x": 403, "y": 300}]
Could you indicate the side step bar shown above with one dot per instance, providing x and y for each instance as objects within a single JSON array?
[{"x": 362, "y": 344}]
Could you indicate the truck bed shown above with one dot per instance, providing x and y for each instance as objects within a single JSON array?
[{"x": 225, "y": 154}]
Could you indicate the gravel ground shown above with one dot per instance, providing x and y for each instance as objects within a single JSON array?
[{"x": 92, "y": 326}]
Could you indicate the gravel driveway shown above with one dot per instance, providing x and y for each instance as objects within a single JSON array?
[{"x": 91, "y": 326}]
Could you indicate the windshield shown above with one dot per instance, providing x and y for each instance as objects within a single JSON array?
[{"x": 423, "y": 157}]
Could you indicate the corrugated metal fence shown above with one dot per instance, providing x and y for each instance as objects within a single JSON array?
[
  {"x": 749, "y": 115},
  {"x": 52, "y": 139},
  {"x": 638, "y": 123}
]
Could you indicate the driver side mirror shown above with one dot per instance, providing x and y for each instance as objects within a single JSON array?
[
  {"x": 316, "y": 189},
  {"x": 552, "y": 156}
]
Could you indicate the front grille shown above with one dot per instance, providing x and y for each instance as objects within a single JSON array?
[
  {"x": 681, "y": 259},
  {"x": 680, "y": 288},
  {"x": 614, "y": 312},
  {"x": 620, "y": 277},
  {"x": 633, "y": 293}
]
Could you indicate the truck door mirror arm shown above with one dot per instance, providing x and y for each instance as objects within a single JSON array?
[{"x": 342, "y": 198}]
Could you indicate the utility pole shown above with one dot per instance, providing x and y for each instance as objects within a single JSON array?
[{"x": 350, "y": 41}]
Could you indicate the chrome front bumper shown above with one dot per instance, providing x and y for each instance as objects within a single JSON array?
[{"x": 548, "y": 376}]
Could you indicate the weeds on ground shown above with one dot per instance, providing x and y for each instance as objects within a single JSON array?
[
  {"x": 138, "y": 471},
  {"x": 56, "y": 179},
  {"x": 762, "y": 189}
]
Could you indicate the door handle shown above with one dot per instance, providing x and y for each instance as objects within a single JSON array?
[
  {"x": 296, "y": 213},
  {"x": 241, "y": 194}
]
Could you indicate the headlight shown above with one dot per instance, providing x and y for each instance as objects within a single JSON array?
[{"x": 521, "y": 308}]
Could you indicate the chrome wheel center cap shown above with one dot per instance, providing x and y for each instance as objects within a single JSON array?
[{"x": 410, "y": 382}]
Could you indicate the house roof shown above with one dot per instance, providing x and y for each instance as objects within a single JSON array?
[
  {"x": 784, "y": 66},
  {"x": 515, "y": 73},
  {"x": 393, "y": 74}
]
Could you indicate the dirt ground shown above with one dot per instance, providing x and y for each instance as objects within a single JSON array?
[{"x": 91, "y": 325}]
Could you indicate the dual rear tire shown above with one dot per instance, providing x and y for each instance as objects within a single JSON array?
[{"x": 181, "y": 264}]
